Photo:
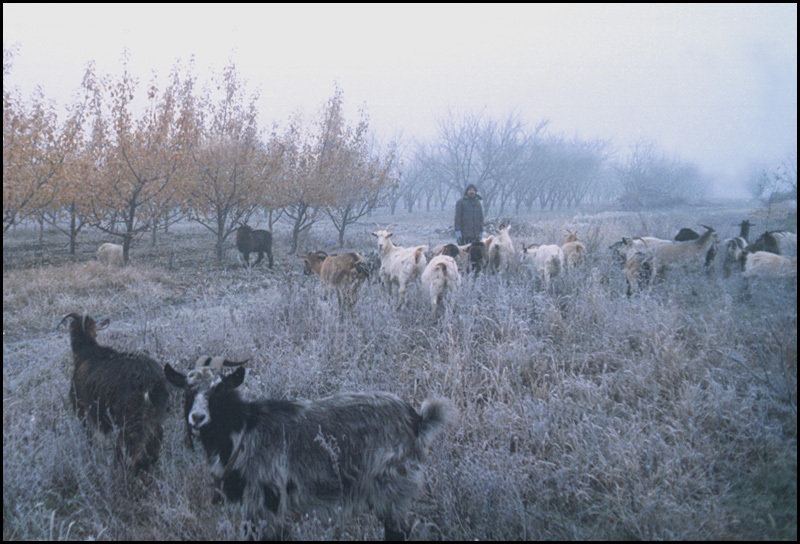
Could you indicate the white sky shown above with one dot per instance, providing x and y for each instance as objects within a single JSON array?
[{"x": 715, "y": 84}]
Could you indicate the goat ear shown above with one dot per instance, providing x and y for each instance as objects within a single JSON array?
[
  {"x": 103, "y": 324},
  {"x": 174, "y": 377},
  {"x": 234, "y": 379}
]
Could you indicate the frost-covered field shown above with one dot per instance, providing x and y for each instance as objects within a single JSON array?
[{"x": 583, "y": 414}]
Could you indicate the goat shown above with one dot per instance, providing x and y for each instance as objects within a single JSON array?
[
  {"x": 638, "y": 270},
  {"x": 687, "y": 235},
  {"x": 744, "y": 231},
  {"x": 732, "y": 255},
  {"x": 459, "y": 253},
  {"x": 672, "y": 253},
  {"x": 733, "y": 248},
  {"x": 547, "y": 260},
  {"x": 766, "y": 264},
  {"x": 313, "y": 262},
  {"x": 399, "y": 265},
  {"x": 110, "y": 254},
  {"x": 439, "y": 277},
  {"x": 340, "y": 273},
  {"x": 113, "y": 389},
  {"x": 373, "y": 265},
  {"x": 779, "y": 242},
  {"x": 574, "y": 251},
  {"x": 477, "y": 256},
  {"x": 625, "y": 247},
  {"x": 501, "y": 250},
  {"x": 254, "y": 241},
  {"x": 360, "y": 451}
]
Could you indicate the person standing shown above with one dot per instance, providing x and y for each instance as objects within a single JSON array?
[{"x": 469, "y": 217}]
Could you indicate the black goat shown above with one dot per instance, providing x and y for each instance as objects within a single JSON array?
[
  {"x": 358, "y": 451},
  {"x": 477, "y": 257},
  {"x": 112, "y": 389},
  {"x": 766, "y": 242},
  {"x": 254, "y": 241},
  {"x": 744, "y": 230}
]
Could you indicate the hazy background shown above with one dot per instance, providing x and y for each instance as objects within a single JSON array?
[{"x": 714, "y": 84}]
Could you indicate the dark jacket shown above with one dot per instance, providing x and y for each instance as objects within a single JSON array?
[{"x": 469, "y": 218}]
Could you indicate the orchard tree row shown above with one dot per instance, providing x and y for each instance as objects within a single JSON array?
[{"x": 128, "y": 159}]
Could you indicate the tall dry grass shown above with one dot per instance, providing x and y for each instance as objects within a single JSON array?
[{"x": 583, "y": 414}]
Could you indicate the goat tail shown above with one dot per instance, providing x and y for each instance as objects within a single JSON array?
[{"x": 435, "y": 414}]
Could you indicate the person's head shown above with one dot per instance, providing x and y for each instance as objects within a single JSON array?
[{"x": 471, "y": 190}]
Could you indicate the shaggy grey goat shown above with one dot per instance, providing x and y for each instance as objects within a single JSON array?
[
  {"x": 357, "y": 451},
  {"x": 112, "y": 389}
]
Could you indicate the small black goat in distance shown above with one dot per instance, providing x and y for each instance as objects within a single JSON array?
[
  {"x": 254, "y": 241},
  {"x": 360, "y": 451},
  {"x": 111, "y": 389}
]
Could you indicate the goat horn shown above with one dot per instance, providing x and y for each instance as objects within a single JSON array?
[
  {"x": 216, "y": 363},
  {"x": 706, "y": 227},
  {"x": 73, "y": 315},
  {"x": 203, "y": 361}
]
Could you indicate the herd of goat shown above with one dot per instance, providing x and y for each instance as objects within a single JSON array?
[{"x": 360, "y": 452}]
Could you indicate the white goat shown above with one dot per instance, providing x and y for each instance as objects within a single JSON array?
[
  {"x": 399, "y": 265},
  {"x": 440, "y": 276},
  {"x": 765, "y": 264},
  {"x": 110, "y": 254},
  {"x": 501, "y": 251},
  {"x": 546, "y": 260},
  {"x": 574, "y": 251}
]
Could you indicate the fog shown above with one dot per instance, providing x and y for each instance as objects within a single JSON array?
[{"x": 713, "y": 84}]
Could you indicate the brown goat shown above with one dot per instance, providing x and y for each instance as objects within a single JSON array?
[
  {"x": 340, "y": 273},
  {"x": 111, "y": 389}
]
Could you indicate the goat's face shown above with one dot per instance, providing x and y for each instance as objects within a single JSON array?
[
  {"x": 243, "y": 233},
  {"x": 383, "y": 239},
  {"x": 313, "y": 262},
  {"x": 83, "y": 325},
  {"x": 201, "y": 386}
]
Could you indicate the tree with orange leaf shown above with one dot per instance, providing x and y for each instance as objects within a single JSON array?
[
  {"x": 35, "y": 147},
  {"x": 228, "y": 161},
  {"x": 143, "y": 157},
  {"x": 358, "y": 178}
]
